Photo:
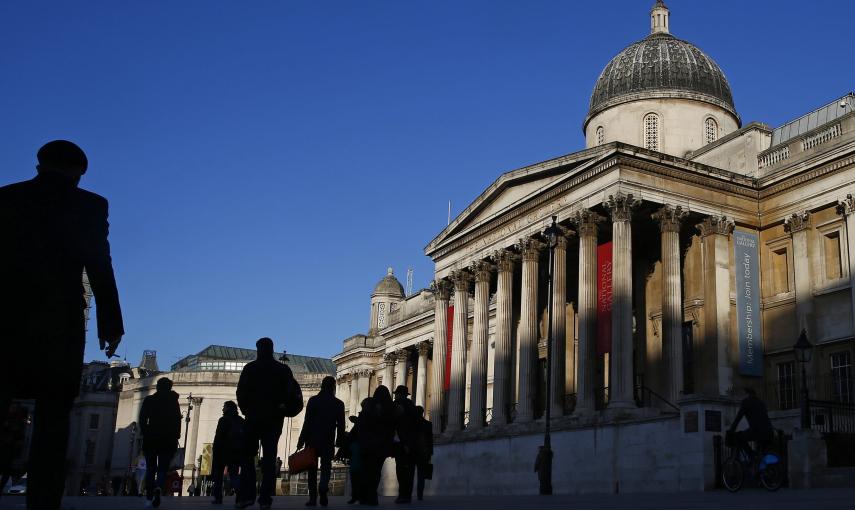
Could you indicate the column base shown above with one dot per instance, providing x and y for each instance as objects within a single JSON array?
[{"x": 621, "y": 404}]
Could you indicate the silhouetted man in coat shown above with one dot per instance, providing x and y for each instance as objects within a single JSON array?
[
  {"x": 324, "y": 424},
  {"x": 160, "y": 427},
  {"x": 51, "y": 231},
  {"x": 228, "y": 444},
  {"x": 407, "y": 429},
  {"x": 265, "y": 392},
  {"x": 424, "y": 452}
]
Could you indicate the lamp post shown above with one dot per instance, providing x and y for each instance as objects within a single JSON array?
[
  {"x": 544, "y": 455},
  {"x": 804, "y": 350},
  {"x": 186, "y": 433}
]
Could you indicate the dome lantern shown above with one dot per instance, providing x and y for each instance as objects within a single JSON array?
[{"x": 659, "y": 18}]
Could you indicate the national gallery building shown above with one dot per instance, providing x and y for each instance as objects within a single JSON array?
[{"x": 693, "y": 250}]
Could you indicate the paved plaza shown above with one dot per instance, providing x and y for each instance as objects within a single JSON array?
[{"x": 838, "y": 499}]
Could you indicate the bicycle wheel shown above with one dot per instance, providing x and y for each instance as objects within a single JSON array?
[
  {"x": 772, "y": 477},
  {"x": 732, "y": 474}
]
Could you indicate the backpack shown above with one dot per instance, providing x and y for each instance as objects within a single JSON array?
[{"x": 293, "y": 399}]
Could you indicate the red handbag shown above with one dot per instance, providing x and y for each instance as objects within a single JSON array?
[{"x": 302, "y": 460}]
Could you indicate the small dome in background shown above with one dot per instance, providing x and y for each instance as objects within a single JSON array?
[{"x": 389, "y": 286}]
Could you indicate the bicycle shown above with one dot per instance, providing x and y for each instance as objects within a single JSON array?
[{"x": 765, "y": 466}]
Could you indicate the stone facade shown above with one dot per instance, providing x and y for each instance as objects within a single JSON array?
[{"x": 679, "y": 350}]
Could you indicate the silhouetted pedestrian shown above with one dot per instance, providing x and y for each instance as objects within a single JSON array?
[
  {"x": 160, "y": 427},
  {"x": 12, "y": 433},
  {"x": 323, "y": 425},
  {"x": 267, "y": 393},
  {"x": 424, "y": 452},
  {"x": 228, "y": 444},
  {"x": 51, "y": 231},
  {"x": 353, "y": 451},
  {"x": 406, "y": 442},
  {"x": 376, "y": 435}
]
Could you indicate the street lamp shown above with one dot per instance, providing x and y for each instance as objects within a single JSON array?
[
  {"x": 543, "y": 464},
  {"x": 186, "y": 432},
  {"x": 804, "y": 351}
]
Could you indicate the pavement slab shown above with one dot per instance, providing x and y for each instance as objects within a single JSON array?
[{"x": 837, "y": 499}]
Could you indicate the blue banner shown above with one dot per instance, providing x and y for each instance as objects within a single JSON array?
[{"x": 747, "y": 258}]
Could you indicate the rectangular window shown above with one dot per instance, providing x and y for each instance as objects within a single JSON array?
[
  {"x": 89, "y": 454},
  {"x": 93, "y": 421},
  {"x": 780, "y": 271},
  {"x": 841, "y": 377},
  {"x": 786, "y": 385},
  {"x": 831, "y": 245}
]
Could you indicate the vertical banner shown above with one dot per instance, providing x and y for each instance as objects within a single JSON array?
[
  {"x": 604, "y": 298},
  {"x": 449, "y": 337},
  {"x": 745, "y": 245}
]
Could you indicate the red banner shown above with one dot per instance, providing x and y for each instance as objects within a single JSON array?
[
  {"x": 449, "y": 335},
  {"x": 604, "y": 298}
]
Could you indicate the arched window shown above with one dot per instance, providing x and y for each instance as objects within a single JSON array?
[
  {"x": 711, "y": 130},
  {"x": 651, "y": 132},
  {"x": 601, "y": 135}
]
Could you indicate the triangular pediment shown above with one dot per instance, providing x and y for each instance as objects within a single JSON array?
[{"x": 514, "y": 188}]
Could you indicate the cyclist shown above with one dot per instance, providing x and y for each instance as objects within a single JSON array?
[{"x": 759, "y": 426}]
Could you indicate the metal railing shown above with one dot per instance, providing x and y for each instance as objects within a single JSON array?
[{"x": 832, "y": 417}]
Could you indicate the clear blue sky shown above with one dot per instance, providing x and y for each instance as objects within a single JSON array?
[{"x": 266, "y": 161}]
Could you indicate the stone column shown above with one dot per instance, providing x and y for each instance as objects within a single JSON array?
[
  {"x": 586, "y": 225},
  {"x": 797, "y": 225},
  {"x": 354, "y": 394},
  {"x": 669, "y": 219},
  {"x": 190, "y": 457},
  {"x": 621, "y": 385},
  {"x": 388, "y": 371},
  {"x": 480, "y": 333},
  {"x": 504, "y": 261},
  {"x": 401, "y": 356},
  {"x": 530, "y": 249},
  {"x": 364, "y": 386},
  {"x": 421, "y": 375},
  {"x": 440, "y": 340},
  {"x": 715, "y": 374},
  {"x": 457, "y": 391},
  {"x": 846, "y": 208},
  {"x": 559, "y": 324}
]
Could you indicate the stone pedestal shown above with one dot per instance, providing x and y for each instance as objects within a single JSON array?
[{"x": 808, "y": 458}]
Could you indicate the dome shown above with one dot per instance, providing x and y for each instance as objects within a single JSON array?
[
  {"x": 661, "y": 66},
  {"x": 389, "y": 286}
]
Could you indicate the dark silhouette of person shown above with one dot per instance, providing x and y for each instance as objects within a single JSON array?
[
  {"x": 12, "y": 434},
  {"x": 51, "y": 231},
  {"x": 279, "y": 467},
  {"x": 228, "y": 443},
  {"x": 407, "y": 431},
  {"x": 160, "y": 428},
  {"x": 424, "y": 452},
  {"x": 351, "y": 450},
  {"x": 265, "y": 392},
  {"x": 322, "y": 429},
  {"x": 376, "y": 436},
  {"x": 759, "y": 426}
]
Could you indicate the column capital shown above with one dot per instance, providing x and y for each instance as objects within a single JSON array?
[
  {"x": 564, "y": 234},
  {"x": 530, "y": 248},
  {"x": 620, "y": 205},
  {"x": 482, "y": 270},
  {"x": 365, "y": 372},
  {"x": 441, "y": 288},
  {"x": 504, "y": 260},
  {"x": 715, "y": 225},
  {"x": 460, "y": 279},
  {"x": 669, "y": 217},
  {"x": 402, "y": 355},
  {"x": 389, "y": 358},
  {"x": 424, "y": 347},
  {"x": 846, "y": 206},
  {"x": 586, "y": 222},
  {"x": 797, "y": 222}
]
